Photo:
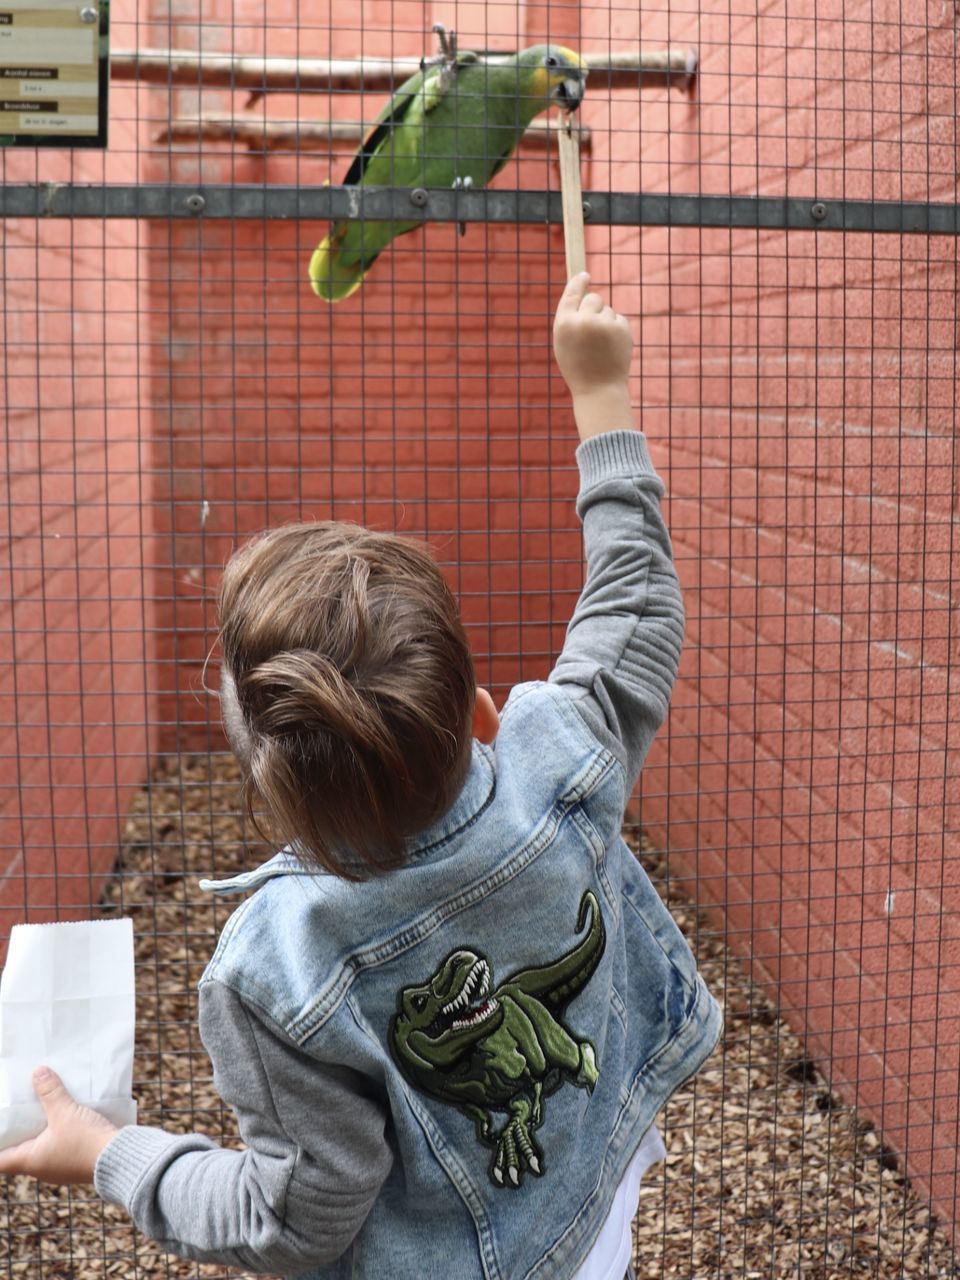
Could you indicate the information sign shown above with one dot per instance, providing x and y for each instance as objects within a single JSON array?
[{"x": 53, "y": 73}]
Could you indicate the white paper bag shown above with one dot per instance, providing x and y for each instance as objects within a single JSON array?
[{"x": 67, "y": 1002}]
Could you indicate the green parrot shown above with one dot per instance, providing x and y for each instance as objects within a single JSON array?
[{"x": 453, "y": 124}]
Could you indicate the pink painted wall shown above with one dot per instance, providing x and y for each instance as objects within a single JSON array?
[
  {"x": 77, "y": 709},
  {"x": 426, "y": 403},
  {"x": 168, "y": 388},
  {"x": 798, "y": 390},
  {"x": 800, "y": 394}
]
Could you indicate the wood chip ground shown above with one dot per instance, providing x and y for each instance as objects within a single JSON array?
[{"x": 766, "y": 1176}]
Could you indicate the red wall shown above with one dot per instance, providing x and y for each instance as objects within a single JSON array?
[
  {"x": 426, "y": 403},
  {"x": 75, "y": 596},
  {"x": 800, "y": 393},
  {"x": 169, "y": 388}
]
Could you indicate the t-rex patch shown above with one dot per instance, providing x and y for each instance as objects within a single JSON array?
[{"x": 504, "y": 1050}]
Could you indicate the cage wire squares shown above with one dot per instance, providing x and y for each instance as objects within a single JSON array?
[{"x": 171, "y": 384}]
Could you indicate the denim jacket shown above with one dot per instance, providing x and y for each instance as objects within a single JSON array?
[{"x": 444, "y": 1072}]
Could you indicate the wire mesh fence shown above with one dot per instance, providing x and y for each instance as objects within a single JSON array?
[{"x": 171, "y": 384}]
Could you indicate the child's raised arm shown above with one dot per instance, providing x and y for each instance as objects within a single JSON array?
[{"x": 622, "y": 648}]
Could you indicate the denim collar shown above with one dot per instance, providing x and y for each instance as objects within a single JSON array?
[{"x": 475, "y": 794}]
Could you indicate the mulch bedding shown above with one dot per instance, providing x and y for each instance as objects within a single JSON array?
[{"x": 767, "y": 1173}]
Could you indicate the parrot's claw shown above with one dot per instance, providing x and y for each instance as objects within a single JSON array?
[
  {"x": 448, "y": 42},
  {"x": 462, "y": 184},
  {"x": 448, "y": 55}
]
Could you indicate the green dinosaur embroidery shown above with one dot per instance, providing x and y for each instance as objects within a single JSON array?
[{"x": 501, "y": 1050}]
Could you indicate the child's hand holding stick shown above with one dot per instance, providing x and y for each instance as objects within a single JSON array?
[{"x": 593, "y": 346}]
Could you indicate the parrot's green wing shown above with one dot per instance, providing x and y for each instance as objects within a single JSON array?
[
  {"x": 415, "y": 99},
  {"x": 392, "y": 115}
]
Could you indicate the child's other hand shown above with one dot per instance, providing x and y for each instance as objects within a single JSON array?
[
  {"x": 593, "y": 346},
  {"x": 67, "y": 1150}
]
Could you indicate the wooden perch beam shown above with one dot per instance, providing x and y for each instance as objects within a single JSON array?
[
  {"x": 269, "y": 135},
  {"x": 289, "y": 75}
]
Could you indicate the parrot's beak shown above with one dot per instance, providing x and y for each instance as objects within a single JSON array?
[
  {"x": 573, "y": 92},
  {"x": 568, "y": 92}
]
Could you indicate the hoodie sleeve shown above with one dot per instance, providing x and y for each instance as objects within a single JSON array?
[
  {"x": 316, "y": 1155},
  {"x": 622, "y": 649}
]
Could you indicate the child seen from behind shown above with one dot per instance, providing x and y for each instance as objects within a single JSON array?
[{"x": 451, "y": 1008}]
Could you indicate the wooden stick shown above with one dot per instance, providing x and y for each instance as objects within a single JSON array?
[{"x": 569, "y": 144}]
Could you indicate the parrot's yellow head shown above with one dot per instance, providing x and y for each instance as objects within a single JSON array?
[{"x": 555, "y": 73}]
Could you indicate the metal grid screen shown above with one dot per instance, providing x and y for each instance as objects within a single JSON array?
[{"x": 771, "y": 201}]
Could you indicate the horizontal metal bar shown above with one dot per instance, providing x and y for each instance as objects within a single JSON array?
[{"x": 385, "y": 204}]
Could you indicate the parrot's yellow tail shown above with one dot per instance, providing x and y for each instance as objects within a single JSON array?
[{"x": 330, "y": 277}]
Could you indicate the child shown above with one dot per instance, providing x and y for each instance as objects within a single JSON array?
[{"x": 450, "y": 1013}]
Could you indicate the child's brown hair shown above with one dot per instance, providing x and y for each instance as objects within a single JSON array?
[{"x": 356, "y": 688}]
